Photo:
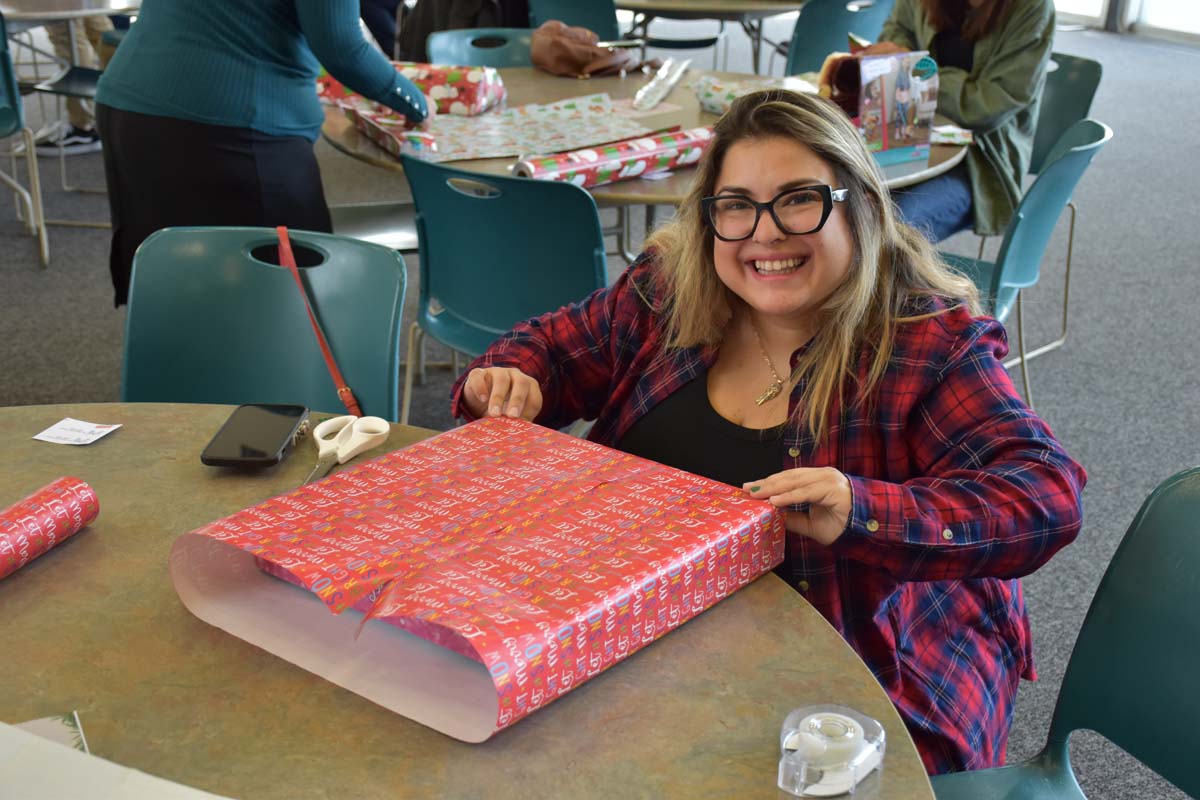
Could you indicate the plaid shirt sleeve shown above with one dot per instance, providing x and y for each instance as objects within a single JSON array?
[
  {"x": 573, "y": 353},
  {"x": 997, "y": 495}
]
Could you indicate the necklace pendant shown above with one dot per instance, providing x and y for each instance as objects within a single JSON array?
[{"x": 770, "y": 394}]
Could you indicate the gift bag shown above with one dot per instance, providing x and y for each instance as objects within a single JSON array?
[{"x": 891, "y": 98}]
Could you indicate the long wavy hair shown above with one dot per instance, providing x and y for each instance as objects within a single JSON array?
[
  {"x": 894, "y": 270},
  {"x": 975, "y": 22}
]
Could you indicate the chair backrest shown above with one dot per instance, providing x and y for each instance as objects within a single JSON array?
[
  {"x": 498, "y": 250},
  {"x": 1132, "y": 674},
  {"x": 12, "y": 117},
  {"x": 595, "y": 15},
  {"x": 823, "y": 25},
  {"x": 481, "y": 47},
  {"x": 213, "y": 319},
  {"x": 1070, "y": 86},
  {"x": 1019, "y": 262}
]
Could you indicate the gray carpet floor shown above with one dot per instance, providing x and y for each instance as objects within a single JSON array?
[{"x": 1122, "y": 394}]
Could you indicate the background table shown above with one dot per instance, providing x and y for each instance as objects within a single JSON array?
[
  {"x": 748, "y": 13},
  {"x": 51, "y": 10},
  {"x": 529, "y": 85},
  {"x": 95, "y": 626}
]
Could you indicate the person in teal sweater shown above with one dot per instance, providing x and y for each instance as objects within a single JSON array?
[
  {"x": 208, "y": 113},
  {"x": 991, "y": 57}
]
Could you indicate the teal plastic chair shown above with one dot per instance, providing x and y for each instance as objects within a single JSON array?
[
  {"x": 1019, "y": 262},
  {"x": 1132, "y": 673},
  {"x": 12, "y": 122},
  {"x": 495, "y": 251},
  {"x": 823, "y": 25},
  {"x": 601, "y": 16},
  {"x": 481, "y": 47},
  {"x": 213, "y": 319}
]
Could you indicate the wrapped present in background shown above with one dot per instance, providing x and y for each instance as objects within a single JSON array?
[
  {"x": 46, "y": 518},
  {"x": 462, "y": 91},
  {"x": 716, "y": 95},
  {"x": 510, "y": 562},
  {"x": 618, "y": 161}
]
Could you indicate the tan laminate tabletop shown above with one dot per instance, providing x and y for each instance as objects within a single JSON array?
[
  {"x": 95, "y": 626},
  {"x": 50, "y": 10},
  {"x": 529, "y": 85}
]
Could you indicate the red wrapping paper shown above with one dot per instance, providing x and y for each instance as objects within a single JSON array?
[
  {"x": 47, "y": 517},
  {"x": 543, "y": 557},
  {"x": 463, "y": 91},
  {"x": 619, "y": 161}
]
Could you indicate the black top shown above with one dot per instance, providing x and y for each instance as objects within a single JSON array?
[
  {"x": 949, "y": 49},
  {"x": 686, "y": 432}
]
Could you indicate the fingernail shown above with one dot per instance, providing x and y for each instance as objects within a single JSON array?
[
  {"x": 513, "y": 411},
  {"x": 494, "y": 411},
  {"x": 754, "y": 489},
  {"x": 483, "y": 398}
]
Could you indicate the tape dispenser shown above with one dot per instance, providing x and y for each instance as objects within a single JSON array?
[{"x": 825, "y": 750}]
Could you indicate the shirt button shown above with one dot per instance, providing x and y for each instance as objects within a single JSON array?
[
  {"x": 794, "y": 452},
  {"x": 804, "y": 586},
  {"x": 872, "y": 525},
  {"x": 947, "y": 534}
]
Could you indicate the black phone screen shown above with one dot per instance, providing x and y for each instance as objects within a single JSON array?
[{"x": 254, "y": 435}]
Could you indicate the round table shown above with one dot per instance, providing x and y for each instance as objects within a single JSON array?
[
  {"x": 529, "y": 85},
  {"x": 53, "y": 10},
  {"x": 95, "y": 626},
  {"x": 748, "y": 13}
]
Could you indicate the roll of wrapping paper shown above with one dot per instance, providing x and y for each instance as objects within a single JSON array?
[
  {"x": 619, "y": 161},
  {"x": 43, "y": 520}
]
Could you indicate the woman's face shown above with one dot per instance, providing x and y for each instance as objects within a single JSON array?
[{"x": 780, "y": 275}]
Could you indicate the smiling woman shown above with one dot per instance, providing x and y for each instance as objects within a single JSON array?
[{"x": 787, "y": 334}]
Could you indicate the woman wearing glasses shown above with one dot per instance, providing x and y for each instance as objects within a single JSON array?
[{"x": 788, "y": 335}]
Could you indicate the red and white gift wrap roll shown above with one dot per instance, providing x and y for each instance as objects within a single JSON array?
[
  {"x": 619, "y": 161},
  {"x": 47, "y": 517}
]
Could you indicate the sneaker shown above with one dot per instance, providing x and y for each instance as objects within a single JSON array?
[{"x": 72, "y": 141}]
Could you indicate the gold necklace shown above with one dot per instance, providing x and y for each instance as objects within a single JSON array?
[{"x": 776, "y": 387}]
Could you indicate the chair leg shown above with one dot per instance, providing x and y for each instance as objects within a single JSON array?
[
  {"x": 415, "y": 340},
  {"x": 1021, "y": 350},
  {"x": 37, "y": 212},
  {"x": 1062, "y": 336},
  {"x": 982, "y": 243}
]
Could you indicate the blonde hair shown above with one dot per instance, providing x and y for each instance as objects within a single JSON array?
[{"x": 893, "y": 264}]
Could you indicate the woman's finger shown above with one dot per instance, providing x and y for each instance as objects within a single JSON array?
[
  {"x": 533, "y": 405},
  {"x": 475, "y": 391},
  {"x": 782, "y": 481},
  {"x": 501, "y": 383},
  {"x": 518, "y": 395}
]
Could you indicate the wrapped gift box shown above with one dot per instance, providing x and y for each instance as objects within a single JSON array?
[
  {"x": 716, "y": 95},
  {"x": 462, "y": 91},
  {"x": 509, "y": 562},
  {"x": 619, "y": 161}
]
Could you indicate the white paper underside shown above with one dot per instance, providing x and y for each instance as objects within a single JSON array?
[{"x": 221, "y": 585}]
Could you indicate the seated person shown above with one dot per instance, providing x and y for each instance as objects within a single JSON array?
[
  {"x": 787, "y": 334},
  {"x": 991, "y": 57}
]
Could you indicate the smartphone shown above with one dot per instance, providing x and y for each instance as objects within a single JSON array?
[{"x": 255, "y": 435}]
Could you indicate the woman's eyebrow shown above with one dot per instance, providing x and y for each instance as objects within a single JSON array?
[{"x": 783, "y": 187}]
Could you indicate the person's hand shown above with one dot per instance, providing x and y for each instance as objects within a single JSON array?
[
  {"x": 881, "y": 49},
  {"x": 430, "y": 112},
  {"x": 502, "y": 391},
  {"x": 825, "y": 489}
]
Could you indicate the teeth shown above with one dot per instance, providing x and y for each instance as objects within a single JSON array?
[{"x": 778, "y": 266}]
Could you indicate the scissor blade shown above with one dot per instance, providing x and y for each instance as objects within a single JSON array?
[{"x": 321, "y": 469}]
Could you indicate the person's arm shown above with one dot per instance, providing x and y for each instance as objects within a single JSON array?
[
  {"x": 1008, "y": 82},
  {"x": 570, "y": 353},
  {"x": 998, "y": 496},
  {"x": 332, "y": 30}
]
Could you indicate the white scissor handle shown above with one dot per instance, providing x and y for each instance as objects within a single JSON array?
[
  {"x": 328, "y": 432},
  {"x": 360, "y": 436}
]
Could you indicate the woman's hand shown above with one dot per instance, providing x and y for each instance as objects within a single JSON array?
[
  {"x": 502, "y": 391},
  {"x": 825, "y": 489},
  {"x": 881, "y": 49},
  {"x": 430, "y": 112}
]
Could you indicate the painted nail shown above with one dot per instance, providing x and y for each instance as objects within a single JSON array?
[{"x": 754, "y": 489}]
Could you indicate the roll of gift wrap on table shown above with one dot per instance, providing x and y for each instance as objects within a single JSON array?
[
  {"x": 619, "y": 161},
  {"x": 47, "y": 517}
]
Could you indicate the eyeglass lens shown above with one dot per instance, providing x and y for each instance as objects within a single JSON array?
[{"x": 797, "y": 212}]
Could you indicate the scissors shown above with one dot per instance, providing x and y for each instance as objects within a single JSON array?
[{"x": 342, "y": 438}]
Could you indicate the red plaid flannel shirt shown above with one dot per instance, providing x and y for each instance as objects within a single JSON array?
[{"x": 958, "y": 489}]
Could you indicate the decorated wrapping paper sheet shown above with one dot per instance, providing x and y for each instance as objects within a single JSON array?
[
  {"x": 511, "y": 563},
  {"x": 619, "y": 161},
  {"x": 43, "y": 520},
  {"x": 533, "y": 128},
  {"x": 461, "y": 91},
  {"x": 716, "y": 95}
]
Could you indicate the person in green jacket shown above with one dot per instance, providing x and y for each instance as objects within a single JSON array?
[{"x": 991, "y": 57}]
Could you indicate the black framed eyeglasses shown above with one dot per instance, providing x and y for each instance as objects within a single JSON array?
[{"x": 734, "y": 217}]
